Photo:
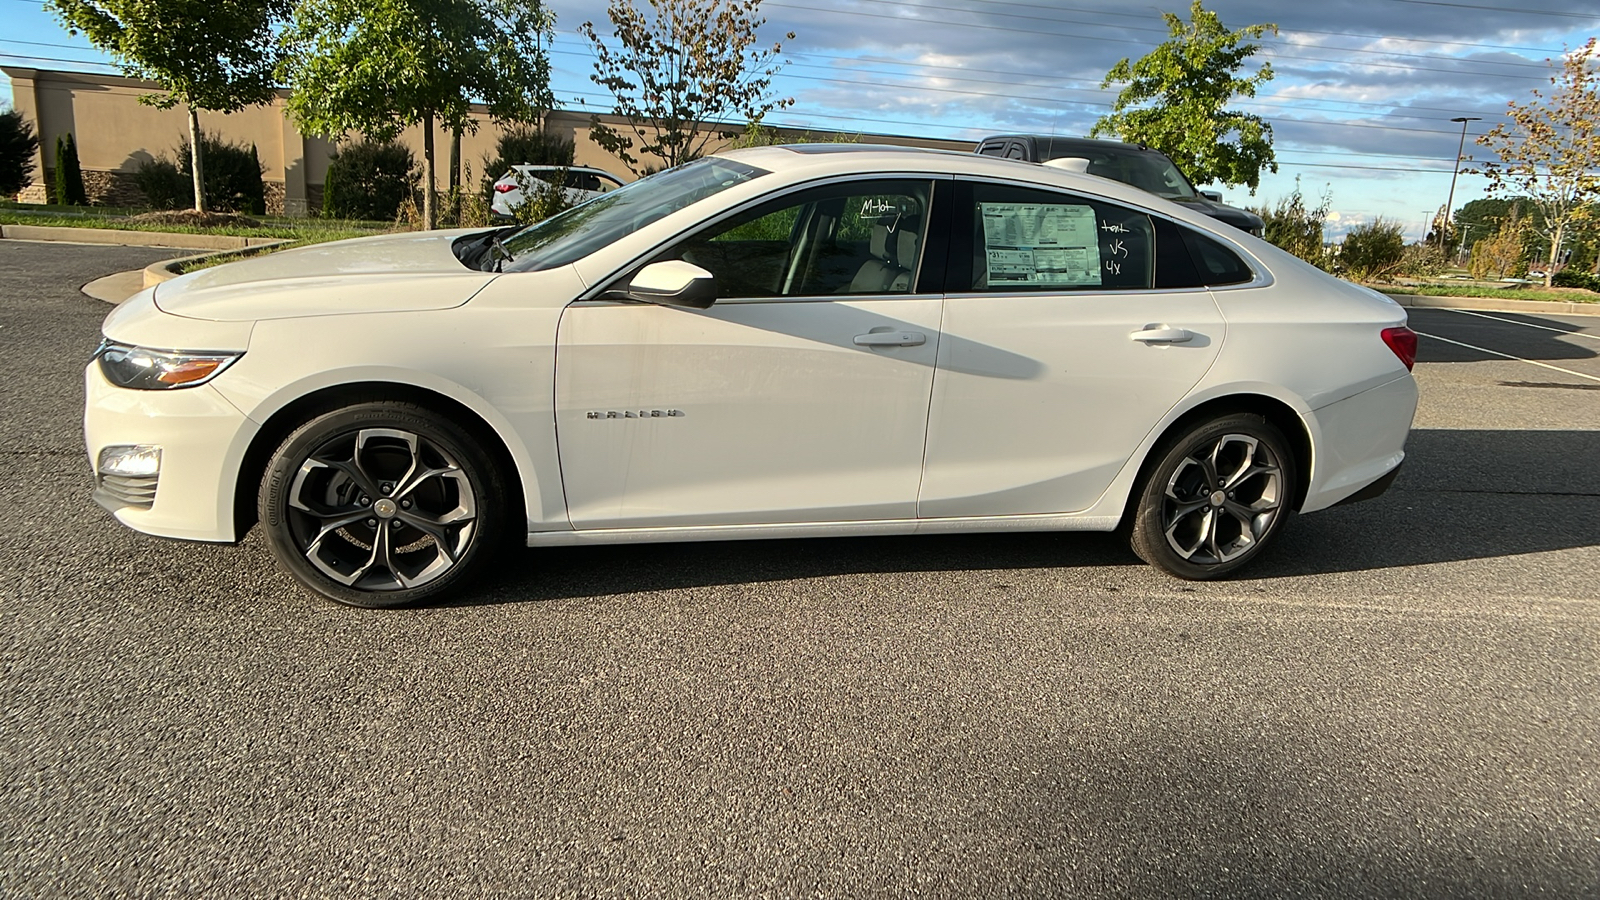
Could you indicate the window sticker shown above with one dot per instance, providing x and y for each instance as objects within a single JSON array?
[{"x": 1040, "y": 244}]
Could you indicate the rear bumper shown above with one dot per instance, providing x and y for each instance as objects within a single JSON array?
[
  {"x": 1359, "y": 442},
  {"x": 1375, "y": 489}
]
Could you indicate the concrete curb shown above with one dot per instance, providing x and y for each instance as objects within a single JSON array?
[
  {"x": 1490, "y": 304},
  {"x": 172, "y": 239}
]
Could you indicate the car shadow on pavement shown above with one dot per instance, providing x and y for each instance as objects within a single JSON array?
[
  {"x": 1463, "y": 495},
  {"x": 1468, "y": 494}
]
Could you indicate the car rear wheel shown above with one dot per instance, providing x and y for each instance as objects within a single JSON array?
[
  {"x": 381, "y": 504},
  {"x": 1217, "y": 497}
]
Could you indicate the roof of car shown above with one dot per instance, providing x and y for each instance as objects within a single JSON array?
[
  {"x": 824, "y": 160},
  {"x": 1076, "y": 143}
]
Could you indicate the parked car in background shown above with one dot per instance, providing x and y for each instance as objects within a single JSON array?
[
  {"x": 777, "y": 342},
  {"x": 1135, "y": 164},
  {"x": 581, "y": 183}
]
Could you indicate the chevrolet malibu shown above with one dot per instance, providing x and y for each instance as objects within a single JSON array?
[{"x": 770, "y": 343}]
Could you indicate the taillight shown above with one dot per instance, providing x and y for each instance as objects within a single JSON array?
[
  {"x": 1403, "y": 341},
  {"x": 504, "y": 188}
]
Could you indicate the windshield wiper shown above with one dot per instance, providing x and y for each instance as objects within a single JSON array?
[{"x": 504, "y": 252}]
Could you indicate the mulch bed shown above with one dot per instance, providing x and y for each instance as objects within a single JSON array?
[{"x": 195, "y": 218}]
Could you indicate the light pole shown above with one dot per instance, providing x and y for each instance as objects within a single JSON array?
[{"x": 1455, "y": 169}]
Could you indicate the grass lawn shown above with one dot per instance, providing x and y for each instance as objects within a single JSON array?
[
  {"x": 1565, "y": 295},
  {"x": 304, "y": 230}
]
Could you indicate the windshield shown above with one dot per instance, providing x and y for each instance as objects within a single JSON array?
[
  {"x": 583, "y": 229},
  {"x": 1151, "y": 172}
]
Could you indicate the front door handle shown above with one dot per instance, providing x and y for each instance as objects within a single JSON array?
[
  {"x": 1152, "y": 334},
  {"x": 891, "y": 339}
]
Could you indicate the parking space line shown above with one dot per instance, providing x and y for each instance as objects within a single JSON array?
[
  {"x": 1531, "y": 362},
  {"x": 1468, "y": 312}
]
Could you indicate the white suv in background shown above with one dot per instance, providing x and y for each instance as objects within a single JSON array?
[{"x": 582, "y": 183}]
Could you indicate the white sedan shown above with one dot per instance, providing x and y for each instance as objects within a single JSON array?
[
  {"x": 580, "y": 183},
  {"x": 772, "y": 343}
]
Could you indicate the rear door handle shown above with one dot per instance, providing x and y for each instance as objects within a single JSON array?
[
  {"x": 1154, "y": 335},
  {"x": 891, "y": 339}
]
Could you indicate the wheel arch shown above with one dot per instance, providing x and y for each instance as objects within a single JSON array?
[
  {"x": 1276, "y": 411},
  {"x": 297, "y": 412}
]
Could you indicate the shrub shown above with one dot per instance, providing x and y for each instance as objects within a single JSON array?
[
  {"x": 1573, "y": 278},
  {"x": 1295, "y": 228},
  {"x": 163, "y": 186},
  {"x": 232, "y": 175},
  {"x": 69, "y": 175},
  {"x": 1373, "y": 251},
  {"x": 542, "y": 196},
  {"x": 525, "y": 145},
  {"x": 369, "y": 180},
  {"x": 1423, "y": 260},
  {"x": 18, "y": 143},
  {"x": 1502, "y": 254}
]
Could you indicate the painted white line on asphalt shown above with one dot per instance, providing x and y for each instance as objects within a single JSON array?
[
  {"x": 1468, "y": 312},
  {"x": 1531, "y": 362}
]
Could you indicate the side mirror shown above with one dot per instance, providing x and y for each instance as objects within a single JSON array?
[
  {"x": 673, "y": 282},
  {"x": 1213, "y": 196}
]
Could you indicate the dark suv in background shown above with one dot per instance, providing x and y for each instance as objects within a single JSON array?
[{"x": 1134, "y": 164}]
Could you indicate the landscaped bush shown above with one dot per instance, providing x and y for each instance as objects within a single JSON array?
[
  {"x": 1574, "y": 278},
  {"x": 1423, "y": 261},
  {"x": 232, "y": 175},
  {"x": 1373, "y": 251},
  {"x": 69, "y": 175},
  {"x": 163, "y": 186},
  {"x": 525, "y": 145},
  {"x": 17, "y": 146},
  {"x": 369, "y": 180},
  {"x": 1290, "y": 225}
]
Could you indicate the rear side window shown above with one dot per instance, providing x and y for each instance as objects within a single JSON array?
[
  {"x": 1024, "y": 239},
  {"x": 1217, "y": 264}
]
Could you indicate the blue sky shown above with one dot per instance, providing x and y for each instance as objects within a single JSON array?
[{"x": 1361, "y": 104}]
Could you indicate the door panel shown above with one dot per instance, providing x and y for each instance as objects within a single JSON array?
[
  {"x": 745, "y": 413},
  {"x": 1048, "y": 433}
]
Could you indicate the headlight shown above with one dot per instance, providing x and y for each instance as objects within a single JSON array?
[{"x": 143, "y": 369}]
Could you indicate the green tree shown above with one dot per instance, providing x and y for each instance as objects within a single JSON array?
[
  {"x": 18, "y": 143},
  {"x": 1549, "y": 151},
  {"x": 1176, "y": 99},
  {"x": 523, "y": 144},
  {"x": 368, "y": 180},
  {"x": 213, "y": 56},
  {"x": 69, "y": 175},
  {"x": 378, "y": 66},
  {"x": 677, "y": 70}
]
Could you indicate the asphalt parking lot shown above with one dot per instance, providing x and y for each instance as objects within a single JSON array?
[{"x": 1401, "y": 700}]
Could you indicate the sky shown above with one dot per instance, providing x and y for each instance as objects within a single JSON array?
[{"x": 1360, "y": 106}]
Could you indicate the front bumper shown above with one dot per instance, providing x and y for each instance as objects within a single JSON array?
[{"x": 203, "y": 439}]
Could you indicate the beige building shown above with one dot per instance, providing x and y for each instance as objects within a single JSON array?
[{"x": 114, "y": 133}]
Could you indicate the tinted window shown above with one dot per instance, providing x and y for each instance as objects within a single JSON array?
[
  {"x": 856, "y": 237},
  {"x": 1023, "y": 239},
  {"x": 1217, "y": 264}
]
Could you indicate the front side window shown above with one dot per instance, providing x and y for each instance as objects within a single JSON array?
[
  {"x": 1026, "y": 239},
  {"x": 854, "y": 237}
]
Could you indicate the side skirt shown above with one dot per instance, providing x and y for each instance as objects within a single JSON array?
[{"x": 883, "y": 527}]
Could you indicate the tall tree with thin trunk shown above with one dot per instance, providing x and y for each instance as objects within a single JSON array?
[
  {"x": 379, "y": 66},
  {"x": 1549, "y": 151},
  {"x": 674, "y": 72},
  {"x": 1177, "y": 96},
  {"x": 217, "y": 57}
]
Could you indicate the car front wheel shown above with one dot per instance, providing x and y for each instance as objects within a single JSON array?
[
  {"x": 381, "y": 504},
  {"x": 1216, "y": 498}
]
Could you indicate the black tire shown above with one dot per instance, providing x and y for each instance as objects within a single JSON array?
[
  {"x": 1220, "y": 492},
  {"x": 382, "y": 504}
]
